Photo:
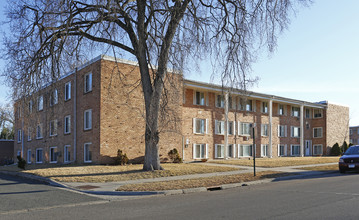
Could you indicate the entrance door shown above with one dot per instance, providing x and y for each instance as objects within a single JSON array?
[{"x": 308, "y": 148}]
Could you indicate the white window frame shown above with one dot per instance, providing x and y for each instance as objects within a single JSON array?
[
  {"x": 220, "y": 101},
  {"x": 295, "y": 111},
  {"x": 350, "y": 131},
  {"x": 219, "y": 151},
  {"x": 264, "y": 150},
  {"x": 241, "y": 128},
  {"x": 203, "y": 155},
  {"x": 67, "y": 124},
  {"x": 317, "y": 146},
  {"x": 54, "y": 97},
  {"x": 307, "y": 113},
  {"x": 19, "y": 135},
  {"x": 37, "y": 155},
  {"x": 67, "y": 153},
  {"x": 318, "y": 115},
  {"x": 67, "y": 91},
  {"x": 264, "y": 107},
  {"x": 233, "y": 150},
  {"x": 219, "y": 127},
  {"x": 28, "y": 156},
  {"x": 53, "y": 154},
  {"x": 246, "y": 105},
  {"x": 292, "y": 149},
  {"x": 88, "y": 126},
  {"x": 264, "y": 130},
  {"x": 231, "y": 130},
  {"x": 53, "y": 128},
  {"x": 241, "y": 148},
  {"x": 40, "y": 103},
  {"x": 88, "y": 82},
  {"x": 30, "y": 106},
  {"x": 205, "y": 125},
  {"x": 283, "y": 107},
  {"x": 87, "y": 152},
  {"x": 282, "y": 128},
  {"x": 284, "y": 146},
  {"x": 29, "y": 133},
  {"x": 316, "y": 134},
  {"x": 201, "y": 100},
  {"x": 292, "y": 131},
  {"x": 39, "y": 131}
]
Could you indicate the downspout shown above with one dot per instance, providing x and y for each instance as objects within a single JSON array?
[
  {"x": 302, "y": 130},
  {"x": 225, "y": 124},
  {"x": 22, "y": 136},
  {"x": 75, "y": 118},
  {"x": 270, "y": 127}
]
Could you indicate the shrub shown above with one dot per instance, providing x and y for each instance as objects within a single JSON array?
[
  {"x": 121, "y": 158},
  {"x": 174, "y": 156},
  {"x": 336, "y": 150},
  {"x": 345, "y": 146},
  {"x": 21, "y": 162}
]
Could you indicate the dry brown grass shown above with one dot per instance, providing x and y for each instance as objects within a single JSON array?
[
  {"x": 322, "y": 168},
  {"x": 99, "y": 173},
  {"x": 279, "y": 162},
  {"x": 201, "y": 182}
]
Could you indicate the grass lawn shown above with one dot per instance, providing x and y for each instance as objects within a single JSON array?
[
  {"x": 279, "y": 162},
  {"x": 201, "y": 182},
  {"x": 99, "y": 173},
  {"x": 322, "y": 168}
]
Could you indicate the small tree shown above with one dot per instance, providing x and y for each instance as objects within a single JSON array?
[
  {"x": 336, "y": 150},
  {"x": 121, "y": 158},
  {"x": 344, "y": 147},
  {"x": 174, "y": 156},
  {"x": 21, "y": 163}
]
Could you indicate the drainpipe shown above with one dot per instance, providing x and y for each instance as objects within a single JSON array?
[
  {"x": 75, "y": 118},
  {"x": 302, "y": 130},
  {"x": 22, "y": 135},
  {"x": 225, "y": 125},
  {"x": 270, "y": 127}
]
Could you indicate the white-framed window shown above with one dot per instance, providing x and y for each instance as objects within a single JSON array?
[
  {"x": 220, "y": 101},
  {"x": 282, "y": 150},
  {"x": 264, "y": 107},
  {"x": 39, "y": 131},
  {"x": 264, "y": 130},
  {"x": 231, "y": 102},
  {"x": 53, "y": 154},
  {"x": 87, "y": 153},
  {"x": 317, "y": 149},
  {"x": 199, "y": 98},
  {"x": 200, "y": 126},
  {"x": 351, "y": 141},
  {"x": 54, "y": 98},
  {"x": 67, "y": 153},
  {"x": 307, "y": 113},
  {"x": 317, "y": 113},
  {"x": 295, "y": 150},
  {"x": 18, "y": 112},
  {"x": 282, "y": 130},
  {"x": 318, "y": 132},
  {"x": 245, "y": 150},
  {"x": 53, "y": 128},
  {"x": 264, "y": 150},
  {"x": 67, "y": 124},
  {"x": 295, "y": 111},
  {"x": 231, "y": 150},
  {"x": 219, "y": 127},
  {"x": 68, "y": 91},
  {"x": 350, "y": 131},
  {"x": 295, "y": 131},
  {"x": 88, "y": 82},
  {"x": 358, "y": 131},
  {"x": 19, "y": 136},
  {"x": 18, "y": 153},
  {"x": 40, "y": 103},
  {"x": 30, "y": 106},
  {"x": 88, "y": 119},
  {"x": 219, "y": 151},
  {"x": 281, "y": 109},
  {"x": 39, "y": 155},
  {"x": 244, "y": 128},
  {"x": 231, "y": 127},
  {"x": 246, "y": 105},
  {"x": 200, "y": 151},
  {"x": 29, "y": 133},
  {"x": 28, "y": 156}
]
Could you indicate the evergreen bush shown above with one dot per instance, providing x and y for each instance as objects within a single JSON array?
[{"x": 336, "y": 150}]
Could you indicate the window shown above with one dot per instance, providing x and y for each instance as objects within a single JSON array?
[
  {"x": 219, "y": 129},
  {"x": 264, "y": 130},
  {"x": 358, "y": 131},
  {"x": 317, "y": 149},
  {"x": 307, "y": 113},
  {"x": 67, "y": 124},
  {"x": 219, "y": 151},
  {"x": 39, "y": 155},
  {"x": 220, "y": 101},
  {"x": 295, "y": 131},
  {"x": 30, "y": 106},
  {"x": 53, "y": 97},
  {"x": 317, "y": 132},
  {"x": 295, "y": 150},
  {"x": 318, "y": 113},
  {"x": 53, "y": 128},
  {"x": 199, "y": 98},
  {"x": 231, "y": 128},
  {"x": 351, "y": 131},
  {"x": 231, "y": 103},
  {"x": 264, "y": 107},
  {"x": 18, "y": 153},
  {"x": 230, "y": 150},
  {"x": 295, "y": 111},
  {"x": 19, "y": 136},
  {"x": 18, "y": 112},
  {"x": 40, "y": 103},
  {"x": 67, "y": 91},
  {"x": 246, "y": 105},
  {"x": 67, "y": 154},
  {"x": 39, "y": 131},
  {"x": 87, "y": 153},
  {"x": 282, "y": 150},
  {"x": 28, "y": 156},
  {"x": 53, "y": 154},
  {"x": 282, "y": 130},
  {"x": 281, "y": 110},
  {"x": 200, "y": 151},
  {"x": 29, "y": 133},
  {"x": 88, "y": 83},
  {"x": 245, "y": 150},
  {"x": 199, "y": 126},
  {"x": 264, "y": 150},
  {"x": 245, "y": 129},
  {"x": 88, "y": 119}
]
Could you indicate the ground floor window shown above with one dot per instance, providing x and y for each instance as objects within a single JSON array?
[
  {"x": 29, "y": 156},
  {"x": 87, "y": 153},
  {"x": 67, "y": 154},
  {"x": 39, "y": 155},
  {"x": 53, "y": 154},
  {"x": 264, "y": 150},
  {"x": 282, "y": 150},
  {"x": 245, "y": 150},
  {"x": 317, "y": 149},
  {"x": 199, "y": 151},
  {"x": 219, "y": 151},
  {"x": 295, "y": 150},
  {"x": 230, "y": 150}
]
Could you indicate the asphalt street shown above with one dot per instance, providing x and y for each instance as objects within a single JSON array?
[{"x": 332, "y": 196}]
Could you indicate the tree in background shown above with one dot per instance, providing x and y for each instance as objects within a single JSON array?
[
  {"x": 6, "y": 122},
  {"x": 49, "y": 37}
]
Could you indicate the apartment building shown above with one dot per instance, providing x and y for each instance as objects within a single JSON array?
[
  {"x": 90, "y": 113},
  {"x": 354, "y": 135}
]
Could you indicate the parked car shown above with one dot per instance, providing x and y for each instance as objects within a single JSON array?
[{"x": 350, "y": 159}]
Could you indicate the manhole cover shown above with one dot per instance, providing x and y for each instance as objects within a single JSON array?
[{"x": 87, "y": 187}]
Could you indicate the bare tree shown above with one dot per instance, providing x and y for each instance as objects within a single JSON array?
[{"x": 159, "y": 34}]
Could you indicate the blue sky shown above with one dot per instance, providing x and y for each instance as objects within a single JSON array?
[{"x": 316, "y": 59}]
